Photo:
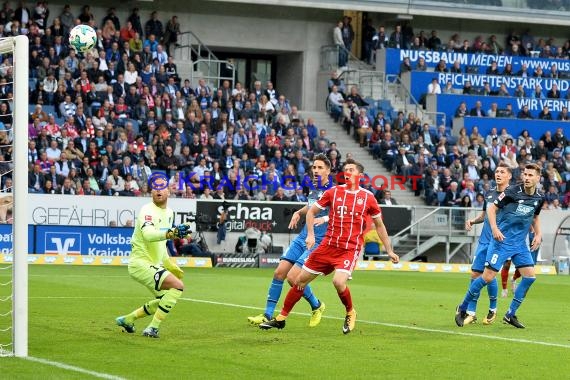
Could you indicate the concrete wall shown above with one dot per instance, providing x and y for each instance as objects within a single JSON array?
[{"x": 290, "y": 75}]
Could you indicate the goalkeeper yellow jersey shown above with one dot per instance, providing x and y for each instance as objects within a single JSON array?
[{"x": 149, "y": 237}]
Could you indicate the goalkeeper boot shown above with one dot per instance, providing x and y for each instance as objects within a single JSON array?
[
  {"x": 349, "y": 322},
  {"x": 128, "y": 327},
  {"x": 151, "y": 332},
  {"x": 258, "y": 319},
  {"x": 316, "y": 315},
  {"x": 490, "y": 318},
  {"x": 272, "y": 324},
  {"x": 513, "y": 321}
]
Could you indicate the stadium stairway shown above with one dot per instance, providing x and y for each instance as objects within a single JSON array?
[{"x": 347, "y": 144}]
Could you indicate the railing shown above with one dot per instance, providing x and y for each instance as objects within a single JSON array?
[
  {"x": 442, "y": 221},
  {"x": 368, "y": 80},
  {"x": 211, "y": 71},
  {"x": 192, "y": 45},
  {"x": 330, "y": 59},
  {"x": 410, "y": 102},
  {"x": 358, "y": 73},
  {"x": 204, "y": 61}
]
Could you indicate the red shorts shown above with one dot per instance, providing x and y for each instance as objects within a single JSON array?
[{"x": 327, "y": 258}]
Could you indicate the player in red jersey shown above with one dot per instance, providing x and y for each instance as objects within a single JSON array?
[{"x": 349, "y": 205}]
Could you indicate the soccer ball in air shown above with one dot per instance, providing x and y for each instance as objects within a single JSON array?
[{"x": 82, "y": 38}]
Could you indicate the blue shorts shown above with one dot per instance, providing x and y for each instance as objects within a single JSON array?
[
  {"x": 534, "y": 255},
  {"x": 480, "y": 257},
  {"x": 498, "y": 253},
  {"x": 297, "y": 253}
]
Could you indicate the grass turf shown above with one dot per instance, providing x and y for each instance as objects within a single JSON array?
[{"x": 405, "y": 329}]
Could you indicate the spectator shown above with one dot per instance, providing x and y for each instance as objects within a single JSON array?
[
  {"x": 154, "y": 26},
  {"x": 554, "y": 93},
  {"x": 524, "y": 113},
  {"x": 477, "y": 110},
  {"x": 336, "y": 101},
  {"x": 545, "y": 114},
  {"x": 387, "y": 199},
  {"x": 338, "y": 40},
  {"x": 452, "y": 197},
  {"x": 405, "y": 66}
]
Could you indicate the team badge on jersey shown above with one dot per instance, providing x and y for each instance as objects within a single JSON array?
[{"x": 359, "y": 201}]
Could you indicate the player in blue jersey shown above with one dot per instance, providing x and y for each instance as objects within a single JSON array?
[
  {"x": 520, "y": 207},
  {"x": 503, "y": 176},
  {"x": 295, "y": 256}
]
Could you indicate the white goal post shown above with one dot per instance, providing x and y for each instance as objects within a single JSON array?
[{"x": 17, "y": 47}]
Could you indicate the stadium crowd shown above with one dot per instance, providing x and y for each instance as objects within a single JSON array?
[
  {"x": 456, "y": 170},
  {"x": 103, "y": 123}
]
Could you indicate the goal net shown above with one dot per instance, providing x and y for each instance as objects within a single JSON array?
[{"x": 13, "y": 192}]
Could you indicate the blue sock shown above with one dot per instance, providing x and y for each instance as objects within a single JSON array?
[
  {"x": 473, "y": 293},
  {"x": 493, "y": 290},
  {"x": 273, "y": 297},
  {"x": 463, "y": 306},
  {"x": 310, "y": 297},
  {"x": 520, "y": 294}
]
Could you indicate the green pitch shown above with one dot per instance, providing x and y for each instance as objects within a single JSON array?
[{"x": 405, "y": 329}]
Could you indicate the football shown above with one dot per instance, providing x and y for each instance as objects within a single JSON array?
[{"x": 82, "y": 38}]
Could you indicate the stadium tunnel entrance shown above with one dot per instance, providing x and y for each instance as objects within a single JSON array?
[{"x": 284, "y": 69}]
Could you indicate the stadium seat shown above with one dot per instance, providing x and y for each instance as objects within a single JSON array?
[
  {"x": 372, "y": 250},
  {"x": 440, "y": 197},
  {"x": 50, "y": 110}
]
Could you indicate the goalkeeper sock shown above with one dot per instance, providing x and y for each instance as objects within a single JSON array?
[
  {"x": 167, "y": 303},
  {"x": 273, "y": 297},
  {"x": 148, "y": 308},
  {"x": 311, "y": 298}
]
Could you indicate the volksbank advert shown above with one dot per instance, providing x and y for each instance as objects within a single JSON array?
[{"x": 95, "y": 241}]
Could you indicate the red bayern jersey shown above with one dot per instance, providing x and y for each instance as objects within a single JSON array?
[{"x": 347, "y": 216}]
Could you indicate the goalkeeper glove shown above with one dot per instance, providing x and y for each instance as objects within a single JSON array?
[
  {"x": 178, "y": 232},
  {"x": 183, "y": 229}
]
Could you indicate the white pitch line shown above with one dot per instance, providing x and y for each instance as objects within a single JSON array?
[
  {"x": 73, "y": 368},
  {"x": 84, "y": 298},
  {"x": 423, "y": 329},
  {"x": 394, "y": 325}
]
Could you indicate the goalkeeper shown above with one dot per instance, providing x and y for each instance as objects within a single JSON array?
[{"x": 150, "y": 263}]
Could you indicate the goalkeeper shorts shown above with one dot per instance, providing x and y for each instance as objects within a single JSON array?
[{"x": 150, "y": 275}]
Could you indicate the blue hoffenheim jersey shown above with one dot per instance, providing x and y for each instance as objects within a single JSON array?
[
  {"x": 518, "y": 210},
  {"x": 314, "y": 196},
  {"x": 486, "y": 233}
]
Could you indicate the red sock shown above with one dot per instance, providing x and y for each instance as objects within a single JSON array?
[
  {"x": 505, "y": 274},
  {"x": 293, "y": 296},
  {"x": 346, "y": 299},
  {"x": 516, "y": 275}
]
